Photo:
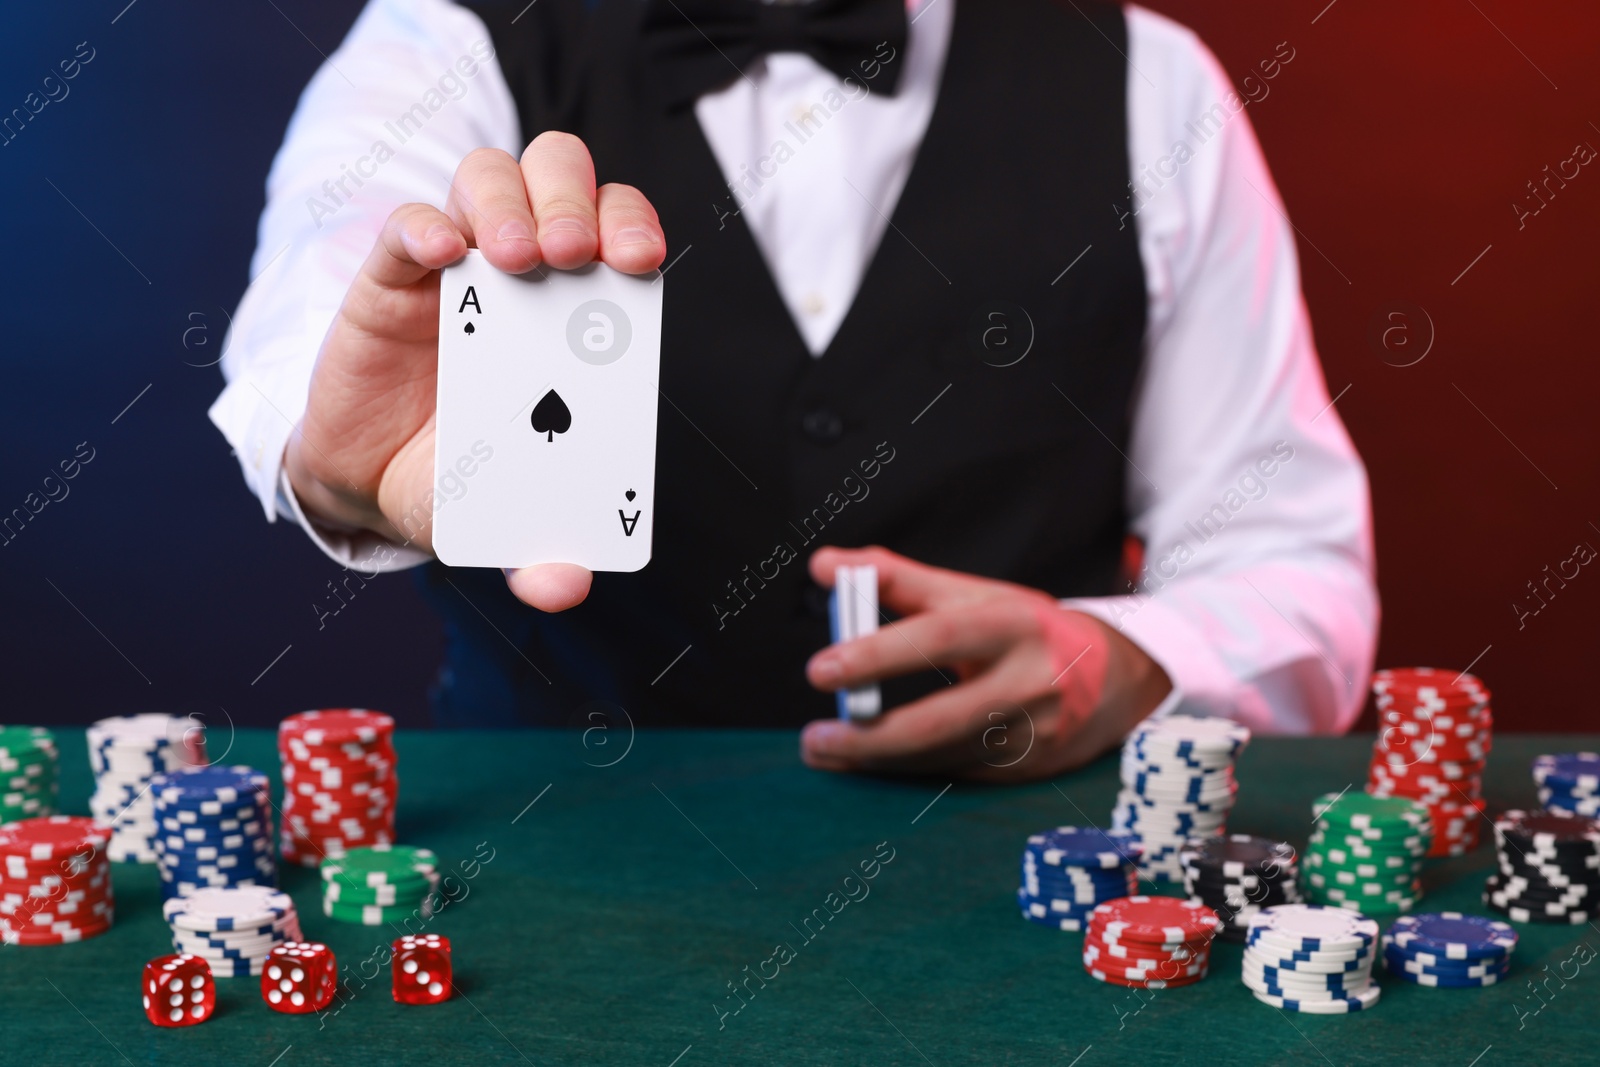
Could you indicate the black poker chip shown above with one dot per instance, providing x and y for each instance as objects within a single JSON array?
[
  {"x": 1548, "y": 868},
  {"x": 1237, "y": 876}
]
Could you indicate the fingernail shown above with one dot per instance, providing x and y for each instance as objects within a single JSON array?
[
  {"x": 826, "y": 670},
  {"x": 436, "y": 230},
  {"x": 633, "y": 235},
  {"x": 825, "y": 737},
  {"x": 564, "y": 225},
  {"x": 514, "y": 230}
]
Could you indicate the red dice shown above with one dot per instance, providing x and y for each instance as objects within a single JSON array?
[
  {"x": 421, "y": 969},
  {"x": 178, "y": 991},
  {"x": 299, "y": 977}
]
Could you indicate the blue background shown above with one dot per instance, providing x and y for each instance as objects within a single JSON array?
[{"x": 163, "y": 141}]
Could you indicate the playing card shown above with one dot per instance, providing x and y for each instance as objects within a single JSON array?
[
  {"x": 853, "y": 613},
  {"x": 546, "y": 439}
]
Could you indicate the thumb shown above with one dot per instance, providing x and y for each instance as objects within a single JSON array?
[{"x": 550, "y": 587}]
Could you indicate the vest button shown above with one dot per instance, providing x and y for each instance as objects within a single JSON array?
[{"x": 822, "y": 425}]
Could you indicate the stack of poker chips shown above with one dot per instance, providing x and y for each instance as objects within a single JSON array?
[
  {"x": 126, "y": 751},
  {"x": 1569, "y": 784},
  {"x": 1177, "y": 784},
  {"x": 28, "y": 763},
  {"x": 1068, "y": 871},
  {"x": 1549, "y": 868},
  {"x": 233, "y": 930},
  {"x": 55, "y": 882},
  {"x": 215, "y": 829},
  {"x": 1366, "y": 852},
  {"x": 1311, "y": 959},
  {"x": 1238, "y": 877},
  {"x": 1149, "y": 942},
  {"x": 339, "y": 783},
  {"x": 1449, "y": 950},
  {"x": 380, "y": 885},
  {"x": 1435, "y": 736}
]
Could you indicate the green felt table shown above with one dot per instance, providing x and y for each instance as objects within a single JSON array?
[{"x": 611, "y": 907}]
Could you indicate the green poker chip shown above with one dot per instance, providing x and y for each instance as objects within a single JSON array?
[
  {"x": 26, "y": 742},
  {"x": 380, "y": 865},
  {"x": 389, "y": 894},
  {"x": 378, "y": 914},
  {"x": 1364, "y": 811}
]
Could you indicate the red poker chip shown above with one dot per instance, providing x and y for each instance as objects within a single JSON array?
[
  {"x": 1170, "y": 971},
  {"x": 1173, "y": 963},
  {"x": 1113, "y": 978},
  {"x": 1154, "y": 919},
  {"x": 336, "y": 726},
  {"x": 52, "y": 837},
  {"x": 1143, "y": 951},
  {"x": 1168, "y": 968}
]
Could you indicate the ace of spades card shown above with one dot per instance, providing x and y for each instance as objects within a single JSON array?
[{"x": 545, "y": 446}]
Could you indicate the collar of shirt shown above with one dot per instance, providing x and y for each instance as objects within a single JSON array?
[{"x": 815, "y": 164}]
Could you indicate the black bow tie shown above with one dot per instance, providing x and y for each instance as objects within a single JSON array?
[{"x": 695, "y": 46}]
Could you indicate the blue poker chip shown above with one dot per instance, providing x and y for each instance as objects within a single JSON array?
[
  {"x": 215, "y": 784},
  {"x": 1084, "y": 847},
  {"x": 1075, "y": 875},
  {"x": 1453, "y": 981},
  {"x": 1399, "y": 963},
  {"x": 1576, "y": 771},
  {"x": 1453, "y": 935}
]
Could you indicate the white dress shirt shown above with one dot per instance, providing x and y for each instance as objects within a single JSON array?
[{"x": 1257, "y": 596}]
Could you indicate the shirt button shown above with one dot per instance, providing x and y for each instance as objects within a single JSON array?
[
  {"x": 812, "y": 303},
  {"x": 801, "y": 113},
  {"x": 822, "y": 425}
]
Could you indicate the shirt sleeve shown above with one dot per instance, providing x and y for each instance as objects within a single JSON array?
[
  {"x": 1257, "y": 594},
  {"x": 386, "y": 120}
]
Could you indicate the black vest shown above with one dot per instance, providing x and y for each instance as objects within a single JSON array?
[{"x": 919, "y": 429}]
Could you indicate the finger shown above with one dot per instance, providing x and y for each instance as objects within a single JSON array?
[
  {"x": 550, "y": 586},
  {"x": 560, "y": 180},
  {"x": 489, "y": 201},
  {"x": 904, "y": 585},
  {"x": 630, "y": 233},
  {"x": 416, "y": 240},
  {"x": 937, "y": 732},
  {"x": 922, "y": 642}
]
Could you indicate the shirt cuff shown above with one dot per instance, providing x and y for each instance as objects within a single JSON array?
[
  {"x": 361, "y": 551},
  {"x": 1201, "y": 682},
  {"x": 259, "y": 432}
]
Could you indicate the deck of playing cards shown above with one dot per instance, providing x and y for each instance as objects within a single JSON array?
[
  {"x": 853, "y": 613},
  {"x": 546, "y": 438}
]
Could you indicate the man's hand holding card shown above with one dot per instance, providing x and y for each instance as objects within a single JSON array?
[{"x": 364, "y": 456}]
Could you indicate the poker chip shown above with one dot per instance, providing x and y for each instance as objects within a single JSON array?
[
  {"x": 214, "y": 829},
  {"x": 1449, "y": 950},
  {"x": 125, "y": 752},
  {"x": 1548, "y": 864},
  {"x": 1237, "y": 876},
  {"x": 1569, "y": 783},
  {"x": 1435, "y": 734},
  {"x": 339, "y": 783},
  {"x": 1366, "y": 852},
  {"x": 1149, "y": 942},
  {"x": 233, "y": 929},
  {"x": 381, "y": 884},
  {"x": 55, "y": 880},
  {"x": 1310, "y": 958},
  {"x": 29, "y": 773},
  {"x": 1177, "y": 784}
]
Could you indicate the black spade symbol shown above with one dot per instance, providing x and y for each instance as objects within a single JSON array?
[
  {"x": 630, "y": 494},
  {"x": 469, "y": 329},
  {"x": 550, "y": 416}
]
